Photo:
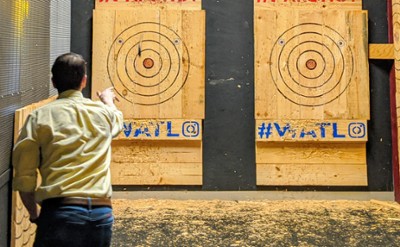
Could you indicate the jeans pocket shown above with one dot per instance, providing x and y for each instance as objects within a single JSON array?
[
  {"x": 105, "y": 221},
  {"x": 72, "y": 215},
  {"x": 102, "y": 217}
]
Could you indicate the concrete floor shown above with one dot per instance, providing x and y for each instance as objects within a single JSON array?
[{"x": 253, "y": 195}]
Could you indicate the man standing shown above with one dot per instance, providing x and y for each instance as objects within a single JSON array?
[{"x": 69, "y": 142}]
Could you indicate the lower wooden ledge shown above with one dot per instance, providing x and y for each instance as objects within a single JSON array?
[
  {"x": 254, "y": 195},
  {"x": 157, "y": 162}
]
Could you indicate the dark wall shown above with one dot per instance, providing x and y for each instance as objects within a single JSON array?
[
  {"x": 81, "y": 33},
  {"x": 229, "y": 156},
  {"x": 379, "y": 147},
  {"x": 229, "y": 146}
]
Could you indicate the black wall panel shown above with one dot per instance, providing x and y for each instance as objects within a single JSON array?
[
  {"x": 379, "y": 148},
  {"x": 229, "y": 156},
  {"x": 81, "y": 34}
]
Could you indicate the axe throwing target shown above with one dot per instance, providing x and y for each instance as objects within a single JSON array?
[
  {"x": 311, "y": 64},
  {"x": 148, "y": 63}
]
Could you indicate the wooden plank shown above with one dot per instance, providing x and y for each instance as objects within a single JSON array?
[
  {"x": 266, "y": 95},
  {"x": 166, "y": 129},
  {"x": 306, "y": 66},
  {"x": 160, "y": 4},
  {"x": 193, "y": 94},
  {"x": 156, "y": 162},
  {"x": 166, "y": 78},
  {"x": 314, "y": 5},
  {"x": 22, "y": 231},
  {"x": 156, "y": 152},
  {"x": 311, "y": 175},
  {"x": 381, "y": 51},
  {"x": 311, "y": 153},
  {"x": 311, "y": 131},
  {"x": 156, "y": 174}
]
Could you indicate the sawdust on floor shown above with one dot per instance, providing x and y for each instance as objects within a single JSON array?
[{"x": 151, "y": 222}]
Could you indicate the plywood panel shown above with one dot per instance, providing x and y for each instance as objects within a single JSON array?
[
  {"x": 154, "y": 59},
  {"x": 314, "y": 5},
  {"x": 157, "y": 173},
  {"x": 319, "y": 164},
  {"x": 311, "y": 153},
  {"x": 161, "y": 4},
  {"x": 311, "y": 92},
  {"x": 156, "y": 151},
  {"x": 157, "y": 162},
  {"x": 311, "y": 64},
  {"x": 312, "y": 175}
]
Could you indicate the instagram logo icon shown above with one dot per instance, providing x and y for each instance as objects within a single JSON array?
[{"x": 357, "y": 130}]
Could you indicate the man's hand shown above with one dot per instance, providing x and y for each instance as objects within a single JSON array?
[{"x": 107, "y": 96}]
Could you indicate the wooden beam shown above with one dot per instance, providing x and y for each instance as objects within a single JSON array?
[{"x": 381, "y": 51}]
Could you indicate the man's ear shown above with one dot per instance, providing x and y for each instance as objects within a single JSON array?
[
  {"x": 54, "y": 85},
  {"x": 83, "y": 82}
]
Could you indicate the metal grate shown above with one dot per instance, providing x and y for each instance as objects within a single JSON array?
[
  {"x": 33, "y": 33},
  {"x": 60, "y": 31}
]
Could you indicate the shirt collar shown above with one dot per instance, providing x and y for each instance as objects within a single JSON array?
[{"x": 70, "y": 94}]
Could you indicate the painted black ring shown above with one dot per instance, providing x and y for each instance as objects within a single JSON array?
[
  {"x": 334, "y": 65},
  {"x": 178, "y": 71},
  {"x": 185, "y": 75},
  {"x": 308, "y": 77},
  {"x": 134, "y": 81},
  {"x": 314, "y": 96},
  {"x": 139, "y": 73},
  {"x": 317, "y": 104}
]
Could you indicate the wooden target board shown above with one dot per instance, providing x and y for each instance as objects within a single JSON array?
[
  {"x": 311, "y": 89},
  {"x": 154, "y": 59},
  {"x": 153, "y": 53},
  {"x": 311, "y": 64}
]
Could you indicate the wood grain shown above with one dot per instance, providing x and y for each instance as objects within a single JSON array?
[
  {"x": 157, "y": 163},
  {"x": 157, "y": 4}
]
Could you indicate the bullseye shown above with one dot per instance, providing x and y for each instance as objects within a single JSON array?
[
  {"x": 148, "y": 63},
  {"x": 311, "y": 64}
]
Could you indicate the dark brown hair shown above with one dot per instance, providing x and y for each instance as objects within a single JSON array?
[{"x": 68, "y": 71}]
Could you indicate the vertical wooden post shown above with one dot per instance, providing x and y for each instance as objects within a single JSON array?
[{"x": 395, "y": 92}]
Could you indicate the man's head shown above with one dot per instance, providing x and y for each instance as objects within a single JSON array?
[{"x": 69, "y": 72}]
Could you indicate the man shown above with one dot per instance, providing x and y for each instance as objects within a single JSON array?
[{"x": 69, "y": 142}]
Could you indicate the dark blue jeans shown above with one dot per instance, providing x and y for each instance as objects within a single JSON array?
[{"x": 74, "y": 226}]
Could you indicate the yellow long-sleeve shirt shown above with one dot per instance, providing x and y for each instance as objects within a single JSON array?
[{"x": 69, "y": 141}]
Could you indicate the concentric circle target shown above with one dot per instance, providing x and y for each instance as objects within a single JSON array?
[
  {"x": 311, "y": 64},
  {"x": 148, "y": 63}
]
